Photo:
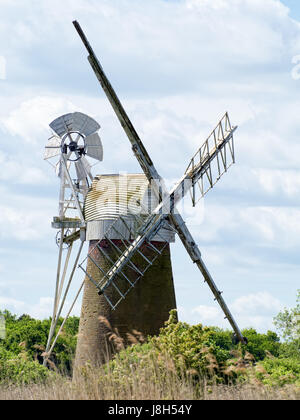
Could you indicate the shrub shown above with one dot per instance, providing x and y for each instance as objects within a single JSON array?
[
  {"x": 198, "y": 351},
  {"x": 192, "y": 347},
  {"x": 21, "y": 371},
  {"x": 180, "y": 349},
  {"x": 278, "y": 372},
  {"x": 290, "y": 349},
  {"x": 259, "y": 345},
  {"x": 28, "y": 335}
]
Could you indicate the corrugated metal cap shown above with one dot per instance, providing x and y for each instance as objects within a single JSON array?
[{"x": 113, "y": 195}]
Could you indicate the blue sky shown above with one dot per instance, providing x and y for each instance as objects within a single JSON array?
[
  {"x": 294, "y": 7},
  {"x": 177, "y": 67}
]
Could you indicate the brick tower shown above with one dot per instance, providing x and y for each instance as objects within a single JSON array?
[{"x": 147, "y": 305}]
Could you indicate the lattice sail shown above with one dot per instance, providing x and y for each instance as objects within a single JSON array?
[
  {"x": 126, "y": 252},
  {"x": 214, "y": 158}
]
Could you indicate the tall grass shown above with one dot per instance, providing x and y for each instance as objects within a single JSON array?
[
  {"x": 62, "y": 389},
  {"x": 143, "y": 383}
]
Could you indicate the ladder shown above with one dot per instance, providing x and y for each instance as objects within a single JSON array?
[{"x": 126, "y": 262}]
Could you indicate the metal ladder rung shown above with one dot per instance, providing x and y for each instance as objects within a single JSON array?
[
  {"x": 126, "y": 225},
  {"x": 130, "y": 262},
  {"x": 139, "y": 219},
  {"x": 91, "y": 278},
  {"x": 97, "y": 265},
  {"x": 150, "y": 245},
  {"x": 104, "y": 253},
  {"x": 135, "y": 268},
  {"x": 109, "y": 302},
  {"x": 114, "y": 245},
  {"x": 118, "y": 290},
  {"x": 119, "y": 233},
  {"x": 113, "y": 306},
  {"x": 124, "y": 240},
  {"x": 121, "y": 272},
  {"x": 109, "y": 282},
  {"x": 113, "y": 262},
  {"x": 145, "y": 258}
]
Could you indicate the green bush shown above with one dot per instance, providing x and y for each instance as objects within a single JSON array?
[
  {"x": 200, "y": 351},
  {"x": 259, "y": 345},
  {"x": 25, "y": 335},
  {"x": 193, "y": 347},
  {"x": 287, "y": 321},
  {"x": 191, "y": 351},
  {"x": 290, "y": 349},
  {"x": 278, "y": 371},
  {"x": 20, "y": 371}
]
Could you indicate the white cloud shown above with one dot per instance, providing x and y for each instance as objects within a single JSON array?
[
  {"x": 30, "y": 121},
  {"x": 261, "y": 302},
  {"x": 25, "y": 218},
  {"x": 254, "y": 310},
  {"x": 42, "y": 309},
  {"x": 19, "y": 172},
  {"x": 281, "y": 182},
  {"x": 274, "y": 225},
  {"x": 14, "y": 305},
  {"x": 207, "y": 313}
]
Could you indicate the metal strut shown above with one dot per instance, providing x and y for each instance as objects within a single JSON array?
[{"x": 59, "y": 304}]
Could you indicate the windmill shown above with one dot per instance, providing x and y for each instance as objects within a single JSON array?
[
  {"x": 75, "y": 137},
  {"x": 128, "y": 245},
  {"x": 206, "y": 167}
]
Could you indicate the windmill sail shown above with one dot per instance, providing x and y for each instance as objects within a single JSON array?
[
  {"x": 52, "y": 148},
  {"x": 83, "y": 168},
  {"x": 74, "y": 122},
  {"x": 94, "y": 146},
  {"x": 212, "y": 160}
]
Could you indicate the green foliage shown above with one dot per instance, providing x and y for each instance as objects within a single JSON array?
[
  {"x": 259, "y": 345},
  {"x": 202, "y": 352},
  {"x": 288, "y": 322},
  {"x": 26, "y": 333},
  {"x": 27, "y": 337},
  {"x": 5, "y": 354},
  {"x": 279, "y": 372},
  {"x": 193, "y": 347},
  {"x": 22, "y": 371},
  {"x": 180, "y": 349},
  {"x": 290, "y": 349}
]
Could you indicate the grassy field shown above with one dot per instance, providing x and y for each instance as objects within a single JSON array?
[
  {"x": 65, "y": 389},
  {"x": 144, "y": 382}
]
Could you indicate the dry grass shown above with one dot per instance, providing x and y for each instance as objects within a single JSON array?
[
  {"x": 89, "y": 387},
  {"x": 250, "y": 392},
  {"x": 63, "y": 389},
  {"x": 142, "y": 384}
]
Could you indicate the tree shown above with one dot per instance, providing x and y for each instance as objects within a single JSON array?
[{"x": 288, "y": 322}]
